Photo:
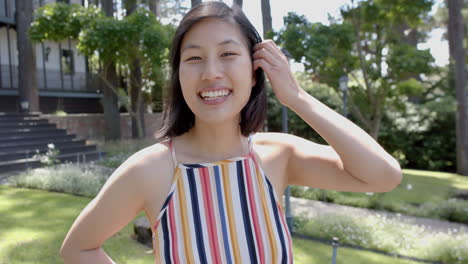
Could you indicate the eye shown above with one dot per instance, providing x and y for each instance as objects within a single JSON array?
[
  {"x": 194, "y": 58},
  {"x": 228, "y": 54}
]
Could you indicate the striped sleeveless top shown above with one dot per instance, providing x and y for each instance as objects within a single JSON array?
[{"x": 221, "y": 212}]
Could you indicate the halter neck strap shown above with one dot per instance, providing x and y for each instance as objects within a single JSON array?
[{"x": 171, "y": 147}]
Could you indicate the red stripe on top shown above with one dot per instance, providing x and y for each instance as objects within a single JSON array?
[
  {"x": 253, "y": 211},
  {"x": 211, "y": 223},
  {"x": 175, "y": 253}
]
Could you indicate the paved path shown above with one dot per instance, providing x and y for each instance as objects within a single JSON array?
[{"x": 313, "y": 208}]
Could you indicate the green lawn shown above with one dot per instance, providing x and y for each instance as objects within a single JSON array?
[
  {"x": 33, "y": 224},
  {"x": 417, "y": 187},
  {"x": 427, "y": 186}
]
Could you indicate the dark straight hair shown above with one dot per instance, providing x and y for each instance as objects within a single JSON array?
[{"x": 178, "y": 118}]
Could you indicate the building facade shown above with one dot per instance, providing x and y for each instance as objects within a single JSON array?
[{"x": 63, "y": 77}]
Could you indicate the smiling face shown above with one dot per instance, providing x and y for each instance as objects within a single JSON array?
[{"x": 215, "y": 70}]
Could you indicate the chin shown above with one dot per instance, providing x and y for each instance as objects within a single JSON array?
[{"x": 217, "y": 119}]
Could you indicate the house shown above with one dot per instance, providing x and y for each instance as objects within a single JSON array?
[{"x": 63, "y": 75}]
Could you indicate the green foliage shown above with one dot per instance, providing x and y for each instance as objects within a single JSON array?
[
  {"x": 369, "y": 46},
  {"x": 296, "y": 125},
  {"x": 422, "y": 135},
  {"x": 137, "y": 37},
  {"x": 60, "y": 21},
  {"x": 405, "y": 61},
  {"x": 325, "y": 51}
]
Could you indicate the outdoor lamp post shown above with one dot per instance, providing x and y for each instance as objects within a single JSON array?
[
  {"x": 289, "y": 216},
  {"x": 344, "y": 88},
  {"x": 24, "y": 104}
]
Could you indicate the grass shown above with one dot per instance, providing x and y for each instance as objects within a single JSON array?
[
  {"x": 388, "y": 235},
  {"x": 310, "y": 252},
  {"x": 421, "y": 193},
  {"x": 34, "y": 224}
]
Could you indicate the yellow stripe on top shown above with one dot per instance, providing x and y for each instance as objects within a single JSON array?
[
  {"x": 185, "y": 224},
  {"x": 266, "y": 214},
  {"x": 230, "y": 211}
]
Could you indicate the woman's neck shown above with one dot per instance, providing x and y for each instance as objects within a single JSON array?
[{"x": 215, "y": 142}]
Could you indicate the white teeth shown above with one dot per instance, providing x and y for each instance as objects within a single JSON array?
[{"x": 214, "y": 94}]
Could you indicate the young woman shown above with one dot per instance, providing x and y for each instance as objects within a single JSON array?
[{"x": 212, "y": 190}]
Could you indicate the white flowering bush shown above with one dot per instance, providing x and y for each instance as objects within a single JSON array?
[
  {"x": 389, "y": 235},
  {"x": 78, "y": 179},
  {"x": 50, "y": 158}
]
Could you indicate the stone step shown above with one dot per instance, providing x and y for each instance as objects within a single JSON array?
[
  {"x": 15, "y": 114},
  {"x": 25, "y": 137},
  {"x": 31, "y": 129},
  {"x": 37, "y": 123},
  {"x": 40, "y": 143},
  {"x": 19, "y": 118},
  {"x": 25, "y": 154},
  {"x": 22, "y": 164}
]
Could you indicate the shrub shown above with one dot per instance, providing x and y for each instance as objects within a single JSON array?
[
  {"x": 78, "y": 179},
  {"x": 386, "y": 234}
]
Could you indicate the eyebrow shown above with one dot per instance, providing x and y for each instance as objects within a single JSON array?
[{"x": 224, "y": 42}]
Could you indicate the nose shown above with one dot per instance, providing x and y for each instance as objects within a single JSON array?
[{"x": 212, "y": 70}]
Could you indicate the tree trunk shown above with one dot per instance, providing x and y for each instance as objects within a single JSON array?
[
  {"x": 110, "y": 99},
  {"x": 137, "y": 107},
  {"x": 267, "y": 27},
  {"x": 238, "y": 2},
  {"x": 196, "y": 2},
  {"x": 266, "y": 17},
  {"x": 137, "y": 102},
  {"x": 153, "y": 6},
  {"x": 27, "y": 82},
  {"x": 457, "y": 54}
]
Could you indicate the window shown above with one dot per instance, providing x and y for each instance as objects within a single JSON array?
[{"x": 66, "y": 60}]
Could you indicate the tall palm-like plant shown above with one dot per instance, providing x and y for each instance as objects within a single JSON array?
[
  {"x": 238, "y": 2},
  {"x": 110, "y": 98},
  {"x": 196, "y": 2},
  {"x": 457, "y": 54},
  {"x": 266, "y": 17},
  {"x": 27, "y": 83}
]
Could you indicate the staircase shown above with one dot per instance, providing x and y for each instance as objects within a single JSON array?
[{"x": 23, "y": 135}]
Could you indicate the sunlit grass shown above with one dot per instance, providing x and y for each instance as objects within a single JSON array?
[{"x": 34, "y": 224}]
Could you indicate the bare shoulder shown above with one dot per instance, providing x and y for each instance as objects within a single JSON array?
[{"x": 147, "y": 165}]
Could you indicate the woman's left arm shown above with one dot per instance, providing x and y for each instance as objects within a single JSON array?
[{"x": 354, "y": 161}]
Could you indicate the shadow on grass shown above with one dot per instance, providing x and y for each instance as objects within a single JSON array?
[{"x": 34, "y": 223}]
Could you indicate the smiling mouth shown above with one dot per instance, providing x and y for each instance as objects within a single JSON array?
[{"x": 214, "y": 95}]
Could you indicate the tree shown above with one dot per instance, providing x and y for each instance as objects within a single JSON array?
[
  {"x": 365, "y": 42},
  {"x": 238, "y": 2},
  {"x": 457, "y": 54},
  {"x": 110, "y": 100},
  {"x": 137, "y": 36},
  {"x": 196, "y": 2},
  {"x": 27, "y": 82},
  {"x": 266, "y": 18},
  {"x": 134, "y": 87}
]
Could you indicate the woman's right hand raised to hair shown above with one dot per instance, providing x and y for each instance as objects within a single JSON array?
[{"x": 268, "y": 56}]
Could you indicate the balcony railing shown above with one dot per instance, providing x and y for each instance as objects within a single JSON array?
[{"x": 7, "y": 12}]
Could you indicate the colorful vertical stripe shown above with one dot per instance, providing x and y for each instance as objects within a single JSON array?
[{"x": 222, "y": 212}]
